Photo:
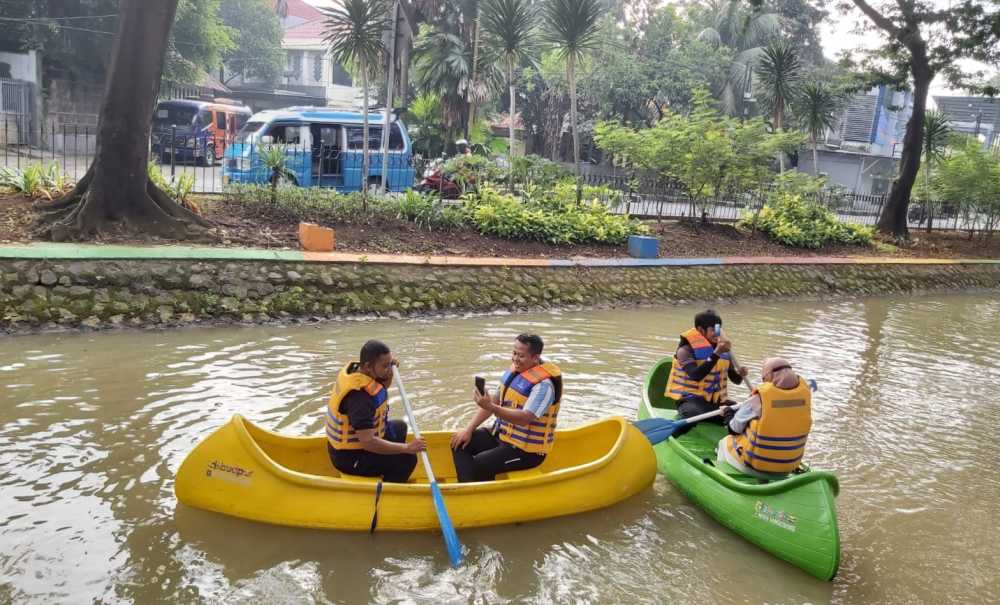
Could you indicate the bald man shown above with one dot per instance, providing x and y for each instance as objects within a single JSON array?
[{"x": 768, "y": 431}]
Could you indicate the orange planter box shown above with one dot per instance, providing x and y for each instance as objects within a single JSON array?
[{"x": 315, "y": 238}]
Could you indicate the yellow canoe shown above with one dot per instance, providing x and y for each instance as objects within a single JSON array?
[{"x": 249, "y": 472}]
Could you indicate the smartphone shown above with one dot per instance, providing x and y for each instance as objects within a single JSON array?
[{"x": 481, "y": 385}]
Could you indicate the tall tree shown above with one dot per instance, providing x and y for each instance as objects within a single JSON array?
[
  {"x": 256, "y": 32},
  {"x": 816, "y": 109},
  {"x": 780, "y": 74},
  {"x": 509, "y": 26},
  {"x": 922, "y": 41},
  {"x": 116, "y": 188},
  {"x": 354, "y": 33},
  {"x": 937, "y": 132},
  {"x": 573, "y": 28}
]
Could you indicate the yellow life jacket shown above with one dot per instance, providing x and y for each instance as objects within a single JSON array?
[
  {"x": 537, "y": 437},
  {"x": 775, "y": 442},
  {"x": 713, "y": 387},
  {"x": 339, "y": 432}
]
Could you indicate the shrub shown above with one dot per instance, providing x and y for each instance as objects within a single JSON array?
[
  {"x": 36, "y": 180},
  {"x": 788, "y": 219},
  {"x": 552, "y": 219}
]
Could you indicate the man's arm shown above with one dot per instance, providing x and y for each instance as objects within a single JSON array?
[
  {"x": 734, "y": 376},
  {"x": 539, "y": 400},
  {"x": 685, "y": 357},
  {"x": 360, "y": 409}
]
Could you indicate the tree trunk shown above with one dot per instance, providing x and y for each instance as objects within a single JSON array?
[
  {"x": 815, "y": 156},
  {"x": 893, "y": 219},
  {"x": 928, "y": 207},
  {"x": 364, "y": 136},
  {"x": 778, "y": 119},
  {"x": 116, "y": 187},
  {"x": 510, "y": 123},
  {"x": 571, "y": 76},
  {"x": 475, "y": 64}
]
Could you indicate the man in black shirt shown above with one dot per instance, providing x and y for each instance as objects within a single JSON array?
[{"x": 361, "y": 438}]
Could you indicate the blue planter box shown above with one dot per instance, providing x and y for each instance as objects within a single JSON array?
[{"x": 642, "y": 246}]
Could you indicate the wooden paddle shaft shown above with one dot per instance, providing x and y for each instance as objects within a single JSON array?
[{"x": 732, "y": 357}]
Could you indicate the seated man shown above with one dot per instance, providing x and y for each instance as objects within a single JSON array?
[
  {"x": 361, "y": 439},
  {"x": 525, "y": 404},
  {"x": 769, "y": 430},
  {"x": 701, "y": 369}
]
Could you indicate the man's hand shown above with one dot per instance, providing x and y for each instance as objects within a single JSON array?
[
  {"x": 416, "y": 446},
  {"x": 723, "y": 345},
  {"x": 461, "y": 439},
  {"x": 742, "y": 371},
  {"x": 483, "y": 400}
]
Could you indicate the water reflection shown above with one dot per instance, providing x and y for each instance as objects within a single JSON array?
[{"x": 93, "y": 427}]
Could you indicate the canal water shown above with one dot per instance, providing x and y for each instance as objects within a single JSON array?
[{"x": 94, "y": 426}]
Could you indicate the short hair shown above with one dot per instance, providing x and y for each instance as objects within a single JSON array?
[
  {"x": 372, "y": 350},
  {"x": 707, "y": 319},
  {"x": 534, "y": 342}
]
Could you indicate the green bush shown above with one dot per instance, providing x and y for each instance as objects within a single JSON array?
[
  {"x": 552, "y": 218},
  {"x": 326, "y": 206},
  {"x": 36, "y": 180},
  {"x": 178, "y": 187},
  {"x": 792, "y": 221}
]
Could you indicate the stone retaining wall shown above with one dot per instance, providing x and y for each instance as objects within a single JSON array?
[{"x": 44, "y": 294}]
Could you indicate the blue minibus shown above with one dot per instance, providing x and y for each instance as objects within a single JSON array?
[{"x": 322, "y": 148}]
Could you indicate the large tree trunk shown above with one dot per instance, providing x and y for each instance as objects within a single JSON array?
[
  {"x": 893, "y": 219},
  {"x": 472, "y": 82},
  {"x": 116, "y": 188},
  {"x": 778, "y": 125}
]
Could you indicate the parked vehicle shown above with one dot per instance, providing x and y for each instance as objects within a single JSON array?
[
  {"x": 199, "y": 131},
  {"x": 436, "y": 182},
  {"x": 322, "y": 148}
]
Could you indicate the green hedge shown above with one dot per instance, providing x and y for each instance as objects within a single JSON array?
[{"x": 792, "y": 221}]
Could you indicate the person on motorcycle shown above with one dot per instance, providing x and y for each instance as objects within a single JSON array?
[{"x": 463, "y": 147}]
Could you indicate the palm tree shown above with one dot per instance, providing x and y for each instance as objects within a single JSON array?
[
  {"x": 817, "y": 109},
  {"x": 779, "y": 73},
  {"x": 573, "y": 28},
  {"x": 354, "y": 33},
  {"x": 937, "y": 131},
  {"x": 745, "y": 32},
  {"x": 509, "y": 26}
]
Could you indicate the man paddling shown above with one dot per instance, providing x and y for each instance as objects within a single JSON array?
[
  {"x": 525, "y": 405},
  {"x": 768, "y": 431},
  {"x": 361, "y": 440},
  {"x": 701, "y": 369}
]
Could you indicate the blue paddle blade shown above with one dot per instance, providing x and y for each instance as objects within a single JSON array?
[
  {"x": 658, "y": 429},
  {"x": 447, "y": 529}
]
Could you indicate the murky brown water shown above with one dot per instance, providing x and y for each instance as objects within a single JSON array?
[{"x": 93, "y": 427}]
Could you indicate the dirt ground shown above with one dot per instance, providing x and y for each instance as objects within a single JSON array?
[{"x": 677, "y": 238}]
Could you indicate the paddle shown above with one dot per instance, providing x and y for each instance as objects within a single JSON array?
[
  {"x": 661, "y": 429},
  {"x": 447, "y": 529}
]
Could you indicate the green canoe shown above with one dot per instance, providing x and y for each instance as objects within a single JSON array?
[{"x": 794, "y": 518}]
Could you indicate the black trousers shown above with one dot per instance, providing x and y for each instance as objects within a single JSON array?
[
  {"x": 694, "y": 406},
  {"x": 393, "y": 468},
  {"x": 485, "y": 456}
]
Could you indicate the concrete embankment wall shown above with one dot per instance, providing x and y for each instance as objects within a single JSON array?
[{"x": 45, "y": 291}]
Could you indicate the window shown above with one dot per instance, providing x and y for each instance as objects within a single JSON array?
[
  {"x": 340, "y": 75},
  {"x": 248, "y": 129},
  {"x": 354, "y": 137},
  {"x": 220, "y": 120},
  {"x": 288, "y": 134},
  {"x": 317, "y": 67},
  {"x": 205, "y": 118},
  {"x": 174, "y": 115},
  {"x": 294, "y": 70}
]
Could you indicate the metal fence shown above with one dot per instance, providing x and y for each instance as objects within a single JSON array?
[
  {"x": 72, "y": 148},
  {"x": 15, "y": 112},
  {"x": 203, "y": 162}
]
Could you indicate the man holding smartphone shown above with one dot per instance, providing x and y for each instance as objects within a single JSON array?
[{"x": 525, "y": 405}]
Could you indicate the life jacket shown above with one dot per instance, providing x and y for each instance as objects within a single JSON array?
[
  {"x": 713, "y": 387},
  {"x": 339, "y": 432},
  {"x": 775, "y": 442},
  {"x": 537, "y": 437}
]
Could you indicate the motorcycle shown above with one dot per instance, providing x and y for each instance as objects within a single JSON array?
[{"x": 435, "y": 181}]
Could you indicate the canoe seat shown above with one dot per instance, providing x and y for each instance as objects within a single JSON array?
[
  {"x": 358, "y": 478},
  {"x": 527, "y": 473}
]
